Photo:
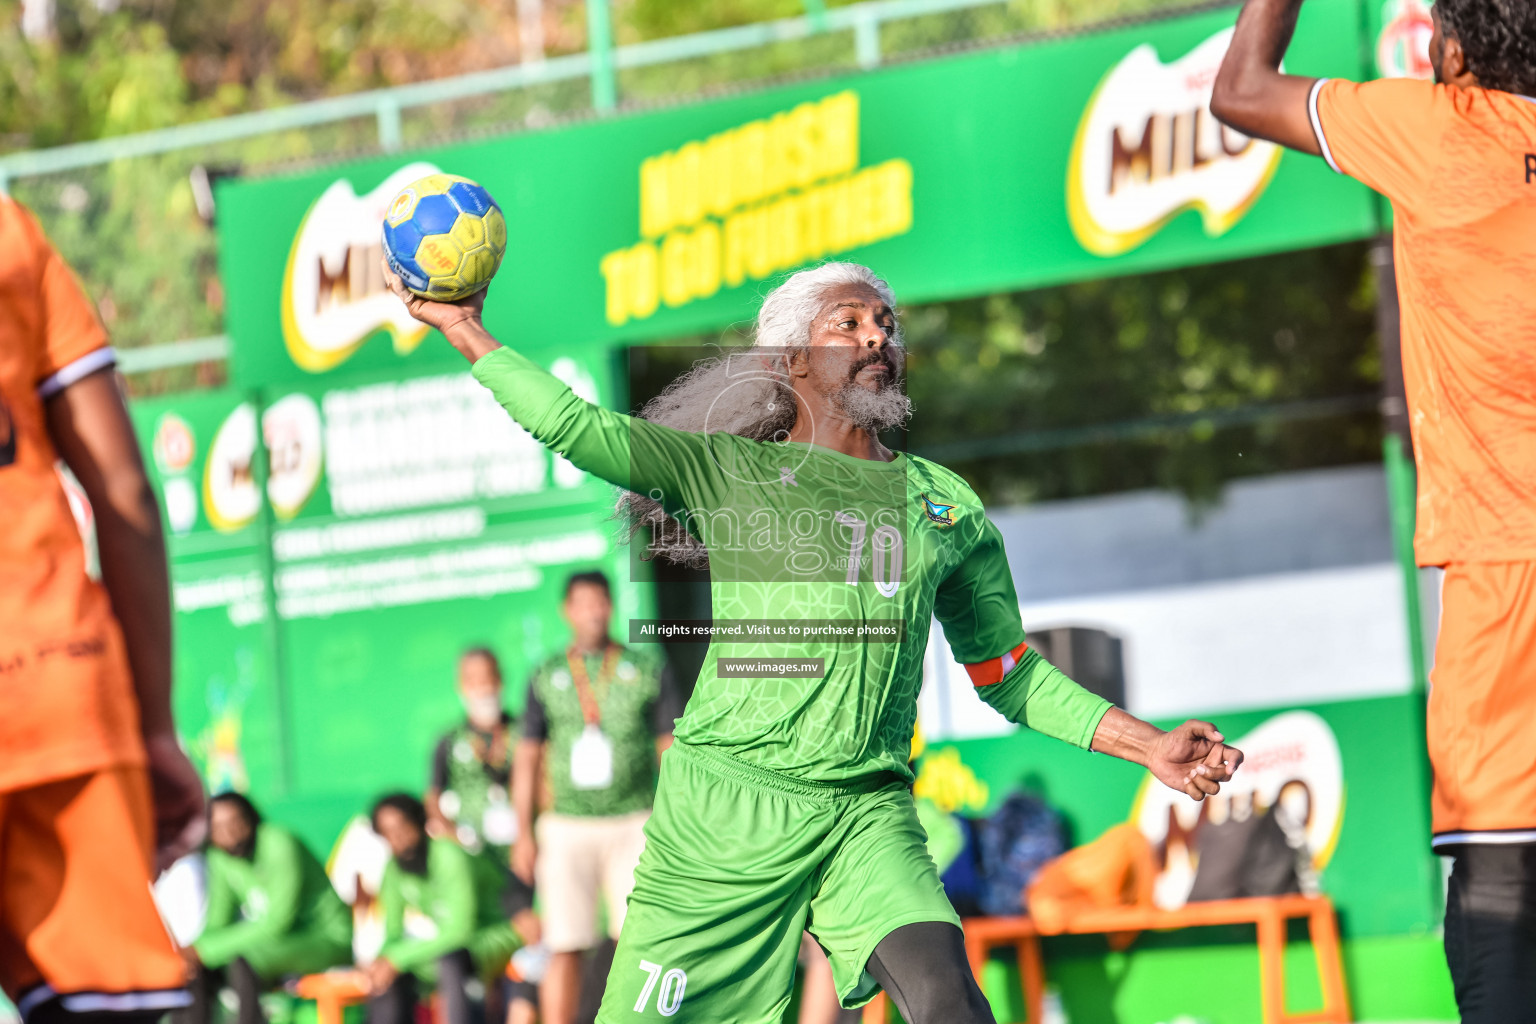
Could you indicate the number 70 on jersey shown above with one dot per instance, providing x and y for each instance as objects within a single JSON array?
[
  {"x": 669, "y": 997},
  {"x": 885, "y": 553}
]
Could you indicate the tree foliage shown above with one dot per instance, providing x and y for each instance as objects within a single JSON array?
[{"x": 1194, "y": 343}]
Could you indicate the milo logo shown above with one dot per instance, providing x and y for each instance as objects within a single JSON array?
[
  {"x": 1148, "y": 148},
  {"x": 334, "y": 295}
]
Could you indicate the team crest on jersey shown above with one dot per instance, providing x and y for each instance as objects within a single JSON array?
[{"x": 940, "y": 515}]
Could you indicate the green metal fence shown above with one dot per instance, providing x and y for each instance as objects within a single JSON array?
[{"x": 601, "y": 65}]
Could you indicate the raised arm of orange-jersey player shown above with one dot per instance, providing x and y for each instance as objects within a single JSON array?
[
  {"x": 1251, "y": 94},
  {"x": 88, "y": 421}
]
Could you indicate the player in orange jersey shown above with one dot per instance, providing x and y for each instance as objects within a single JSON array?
[
  {"x": 1457, "y": 158},
  {"x": 93, "y": 785}
]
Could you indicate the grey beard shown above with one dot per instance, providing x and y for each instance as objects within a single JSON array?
[{"x": 873, "y": 411}]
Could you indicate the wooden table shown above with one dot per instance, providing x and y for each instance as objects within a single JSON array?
[{"x": 1269, "y": 914}]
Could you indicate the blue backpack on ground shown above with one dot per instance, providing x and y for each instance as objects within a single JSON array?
[{"x": 1012, "y": 845}]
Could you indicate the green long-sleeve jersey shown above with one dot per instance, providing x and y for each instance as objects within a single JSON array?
[
  {"x": 258, "y": 903},
  {"x": 800, "y": 532},
  {"x": 460, "y": 894}
]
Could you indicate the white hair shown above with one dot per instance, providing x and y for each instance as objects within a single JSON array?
[
  {"x": 784, "y": 321},
  {"x": 746, "y": 392}
]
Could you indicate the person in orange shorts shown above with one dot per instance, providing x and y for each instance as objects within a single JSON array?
[
  {"x": 1457, "y": 158},
  {"x": 93, "y": 784}
]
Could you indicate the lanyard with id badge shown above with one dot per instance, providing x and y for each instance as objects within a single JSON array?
[{"x": 592, "y": 753}]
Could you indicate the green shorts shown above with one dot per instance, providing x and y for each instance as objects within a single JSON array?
[{"x": 738, "y": 862}]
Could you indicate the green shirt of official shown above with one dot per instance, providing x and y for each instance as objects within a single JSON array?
[
  {"x": 472, "y": 774},
  {"x": 277, "y": 910},
  {"x": 460, "y": 895},
  {"x": 626, "y": 695}
]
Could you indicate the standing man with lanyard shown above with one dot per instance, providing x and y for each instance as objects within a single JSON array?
[{"x": 602, "y": 713}]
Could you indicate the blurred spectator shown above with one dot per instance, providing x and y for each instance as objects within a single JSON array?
[
  {"x": 602, "y": 713},
  {"x": 1115, "y": 870},
  {"x": 1247, "y": 850},
  {"x": 271, "y": 912},
  {"x": 443, "y": 920},
  {"x": 469, "y": 797}
]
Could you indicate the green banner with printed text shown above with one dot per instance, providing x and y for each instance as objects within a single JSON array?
[
  {"x": 1007, "y": 168},
  {"x": 336, "y": 544}
]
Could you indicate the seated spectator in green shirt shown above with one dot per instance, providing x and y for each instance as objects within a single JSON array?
[
  {"x": 271, "y": 913},
  {"x": 457, "y": 935}
]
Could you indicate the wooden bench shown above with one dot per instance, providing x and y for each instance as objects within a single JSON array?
[
  {"x": 333, "y": 991},
  {"x": 1269, "y": 914}
]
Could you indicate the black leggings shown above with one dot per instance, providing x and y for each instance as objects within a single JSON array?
[
  {"x": 205, "y": 994},
  {"x": 455, "y": 972},
  {"x": 923, "y": 968},
  {"x": 1490, "y": 932}
]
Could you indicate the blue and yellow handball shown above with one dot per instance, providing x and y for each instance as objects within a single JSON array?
[{"x": 445, "y": 236}]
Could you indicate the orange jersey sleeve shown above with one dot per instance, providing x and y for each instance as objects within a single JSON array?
[
  {"x": 68, "y": 327},
  {"x": 1388, "y": 134},
  {"x": 1460, "y": 168}
]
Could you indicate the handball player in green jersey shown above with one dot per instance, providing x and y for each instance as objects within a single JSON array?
[{"x": 784, "y": 803}]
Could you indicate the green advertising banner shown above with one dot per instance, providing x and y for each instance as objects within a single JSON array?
[
  {"x": 1398, "y": 32},
  {"x": 336, "y": 545},
  {"x": 200, "y": 451},
  {"x": 412, "y": 519},
  {"x": 1008, "y": 168}
]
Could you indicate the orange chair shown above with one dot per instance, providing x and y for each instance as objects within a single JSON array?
[
  {"x": 332, "y": 993},
  {"x": 1269, "y": 913}
]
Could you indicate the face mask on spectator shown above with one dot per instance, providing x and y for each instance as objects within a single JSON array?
[{"x": 484, "y": 711}]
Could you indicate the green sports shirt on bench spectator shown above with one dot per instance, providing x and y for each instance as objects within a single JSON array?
[
  {"x": 277, "y": 910},
  {"x": 460, "y": 895}
]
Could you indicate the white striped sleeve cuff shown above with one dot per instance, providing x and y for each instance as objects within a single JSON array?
[
  {"x": 1505, "y": 837},
  {"x": 104, "y": 1002},
  {"x": 1317, "y": 125},
  {"x": 77, "y": 370}
]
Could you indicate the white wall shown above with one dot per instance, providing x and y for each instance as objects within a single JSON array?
[{"x": 1204, "y": 627}]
